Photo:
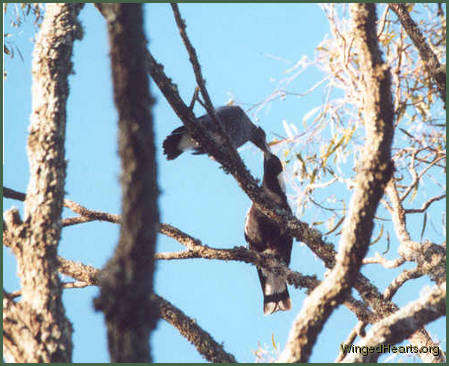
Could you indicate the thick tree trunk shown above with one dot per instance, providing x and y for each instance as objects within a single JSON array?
[{"x": 36, "y": 328}]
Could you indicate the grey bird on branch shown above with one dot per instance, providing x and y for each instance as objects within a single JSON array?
[
  {"x": 236, "y": 124},
  {"x": 266, "y": 236}
]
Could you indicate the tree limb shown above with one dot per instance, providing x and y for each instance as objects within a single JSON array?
[
  {"x": 402, "y": 323},
  {"x": 370, "y": 294},
  {"x": 384, "y": 262},
  {"x": 406, "y": 275},
  {"x": 435, "y": 69},
  {"x": 127, "y": 279},
  {"x": 430, "y": 257},
  {"x": 425, "y": 205},
  {"x": 188, "y": 328},
  {"x": 202, "y": 84},
  {"x": 38, "y": 330},
  {"x": 359, "y": 329},
  {"x": 374, "y": 172}
]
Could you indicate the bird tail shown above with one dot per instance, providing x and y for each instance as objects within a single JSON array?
[
  {"x": 172, "y": 143},
  {"x": 275, "y": 293}
]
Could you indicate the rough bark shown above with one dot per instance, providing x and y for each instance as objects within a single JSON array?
[
  {"x": 126, "y": 282},
  {"x": 310, "y": 236},
  {"x": 195, "y": 249},
  {"x": 36, "y": 328},
  {"x": 374, "y": 171},
  {"x": 403, "y": 323},
  {"x": 436, "y": 71},
  {"x": 431, "y": 258},
  {"x": 210, "y": 349}
]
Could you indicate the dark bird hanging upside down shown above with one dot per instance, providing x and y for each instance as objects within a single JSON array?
[
  {"x": 266, "y": 236},
  {"x": 236, "y": 124}
]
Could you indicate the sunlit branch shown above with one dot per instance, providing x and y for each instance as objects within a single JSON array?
[
  {"x": 358, "y": 330},
  {"x": 400, "y": 325},
  {"x": 428, "y": 255},
  {"x": 384, "y": 262},
  {"x": 408, "y": 274},
  {"x": 425, "y": 205},
  {"x": 374, "y": 171},
  {"x": 435, "y": 69},
  {"x": 417, "y": 177}
]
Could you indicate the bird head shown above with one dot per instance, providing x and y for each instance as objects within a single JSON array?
[
  {"x": 259, "y": 139},
  {"x": 272, "y": 176}
]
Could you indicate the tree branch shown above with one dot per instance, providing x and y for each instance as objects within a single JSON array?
[
  {"x": 416, "y": 177},
  {"x": 369, "y": 292},
  {"x": 406, "y": 275},
  {"x": 202, "y": 84},
  {"x": 384, "y": 262},
  {"x": 230, "y": 162},
  {"x": 425, "y": 205},
  {"x": 188, "y": 328},
  {"x": 430, "y": 257},
  {"x": 402, "y": 323},
  {"x": 19, "y": 329},
  {"x": 359, "y": 329},
  {"x": 44, "y": 332},
  {"x": 127, "y": 279},
  {"x": 374, "y": 172},
  {"x": 428, "y": 57},
  {"x": 86, "y": 215},
  {"x": 301, "y": 231}
]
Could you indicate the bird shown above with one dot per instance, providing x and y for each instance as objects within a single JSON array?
[
  {"x": 266, "y": 236},
  {"x": 236, "y": 124}
]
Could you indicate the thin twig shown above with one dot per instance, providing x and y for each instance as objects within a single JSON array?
[
  {"x": 384, "y": 262},
  {"x": 425, "y": 205},
  {"x": 357, "y": 330},
  {"x": 417, "y": 177},
  {"x": 200, "y": 80},
  {"x": 406, "y": 275}
]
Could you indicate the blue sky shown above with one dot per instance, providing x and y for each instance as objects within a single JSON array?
[{"x": 244, "y": 49}]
